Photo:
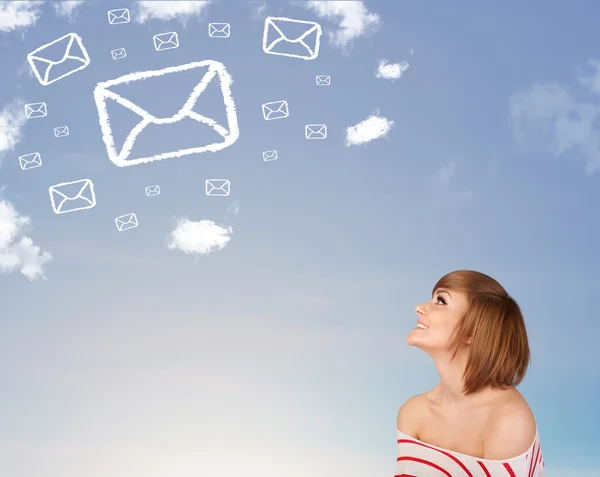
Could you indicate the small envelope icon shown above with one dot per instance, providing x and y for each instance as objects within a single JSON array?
[
  {"x": 205, "y": 74},
  {"x": 315, "y": 131},
  {"x": 61, "y": 131},
  {"x": 126, "y": 222},
  {"x": 166, "y": 41},
  {"x": 72, "y": 196},
  {"x": 218, "y": 187},
  {"x": 118, "y": 54},
  {"x": 270, "y": 156},
  {"x": 152, "y": 190},
  {"x": 71, "y": 54},
  {"x": 281, "y": 38},
  {"x": 323, "y": 80},
  {"x": 275, "y": 110},
  {"x": 30, "y": 161},
  {"x": 219, "y": 30},
  {"x": 119, "y": 16},
  {"x": 36, "y": 110}
]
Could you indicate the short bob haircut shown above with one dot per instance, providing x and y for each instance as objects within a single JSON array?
[{"x": 499, "y": 350}]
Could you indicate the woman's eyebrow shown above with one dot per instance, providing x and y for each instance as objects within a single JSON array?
[{"x": 441, "y": 290}]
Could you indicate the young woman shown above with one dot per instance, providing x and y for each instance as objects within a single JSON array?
[{"x": 474, "y": 423}]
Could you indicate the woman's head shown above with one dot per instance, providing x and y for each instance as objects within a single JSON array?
[{"x": 471, "y": 314}]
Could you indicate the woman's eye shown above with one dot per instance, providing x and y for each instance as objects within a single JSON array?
[{"x": 440, "y": 299}]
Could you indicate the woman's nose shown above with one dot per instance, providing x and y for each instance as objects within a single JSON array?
[{"x": 419, "y": 310}]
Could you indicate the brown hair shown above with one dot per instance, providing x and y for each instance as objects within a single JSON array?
[{"x": 499, "y": 350}]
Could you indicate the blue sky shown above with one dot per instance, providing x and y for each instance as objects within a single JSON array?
[{"x": 279, "y": 348}]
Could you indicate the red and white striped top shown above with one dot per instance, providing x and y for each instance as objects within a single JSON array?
[{"x": 418, "y": 459}]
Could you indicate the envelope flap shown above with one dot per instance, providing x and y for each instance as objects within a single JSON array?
[
  {"x": 293, "y": 31},
  {"x": 54, "y": 52},
  {"x": 73, "y": 190},
  {"x": 163, "y": 93}
]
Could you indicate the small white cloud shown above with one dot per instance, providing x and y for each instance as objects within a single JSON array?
[
  {"x": 12, "y": 120},
  {"x": 371, "y": 128},
  {"x": 20, "y": 255},
  {"x": 258, "y": 8},
  {"x": 391, "y": 71},
  {"x": 169, "y": 10},
  {"x": 411, "y": 51},
  {"x": 352, "y": 17},
  {"x": 199, "y": 238},
  {"x": 234, "y": 208},
  {"x": 447, "y": 172},
  {"x": 19, "y": 14},
  {"x": 67, "y": 8},
  {"x": 550, "y": 112}
]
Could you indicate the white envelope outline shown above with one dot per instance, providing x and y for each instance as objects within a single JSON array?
[
  {"x": 166, "y": 41},
  {"x": 42, "y": 67},
  {"x": 118, "y": 53},
  {"x": 276, "y": 110},
  {"x": 126, "y": 222},
  {"x": 30, "y": 161},
  {"x": 216, "y": 70},
  {"x": 217, "y": 187},
  {"x": 85, "y": 197},
  {"x": 152, "y": 190},
  {"x": 119, "y": 16},
  {"x": 270, "y": 155},
  {"x": 36, "y": 110},
  {"x": 315, "y": 131},
  {"x": 219, "y": 30},
  {"x": 323, "y": 80},
  {"x": 61, "y": 131},
  {"x": 277, "y": 24}
]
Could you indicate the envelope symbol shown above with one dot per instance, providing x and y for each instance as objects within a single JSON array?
[
  {"x": 61, "y": 131},
  {"x": 126, "y": 222},
  {"x": 281, "y": 38},
  {"x": 36, "y": 110},
  {"x": 166, "y": 41},
  {"x": 204, "y": 73},
  {"x": 72, "y": 196},
  {"x": 217, "y": 187},
  {"x": 315, "y": 131},
  {"x": 30, "y": 161},
  {"x": 152, "y": 190},
  {"x": 58, "y": 59},
  {"x": 118, "y": 54},
  {"x": 275, "y": 110},
  {"x": 119, "y": 16},
  {"x": 219, "y": 30},
  {"x": 323, "y": 80},
  {"x": 270, "y": 155}
]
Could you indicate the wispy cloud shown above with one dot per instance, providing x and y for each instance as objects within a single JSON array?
[
  {"x": 19, "y": 14},
  {"x": 234, "y": 208},
  {"x": 391, "y": 71},
  {"x": 12, "y": 120},
  {"x": 67, "y": 8},
  {"x": 373, "y": 127},
  {"x": 198, "y": 238},
  {"x": 447, "y": 172},
  {"x": 551, "y": 114},
  {"x": 169, "y": 10},
  {"x": 352, "y": 18},
  {"x": 21, "y": 255}
]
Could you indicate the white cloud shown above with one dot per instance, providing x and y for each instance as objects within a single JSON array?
[
  {"x": 12, "y": 120},
  {"x": 550, "y": 112},
  {"x": 258, "y": 8},
  {"x": 67, "y": 8},
  {"x": 234, "y": 208},
  {"x": 20, "y": 14},
  {"x": 371, "y": 128},
  {"x": 352, "y": 17},
  {"x": 199, "y": 238},
  {"x": 20, "y": 255},
  {"x": 391, "y": 71},
  {"x": 447, "y": 172},
  {"x": 168, "y": 10}
]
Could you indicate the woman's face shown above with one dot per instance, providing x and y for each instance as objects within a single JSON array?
[{"x": 439, "y": 316}]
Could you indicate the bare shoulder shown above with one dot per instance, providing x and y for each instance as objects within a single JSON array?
[
  {"x": 411, "y": 414},
  {"x": 510, "y": 430}
]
